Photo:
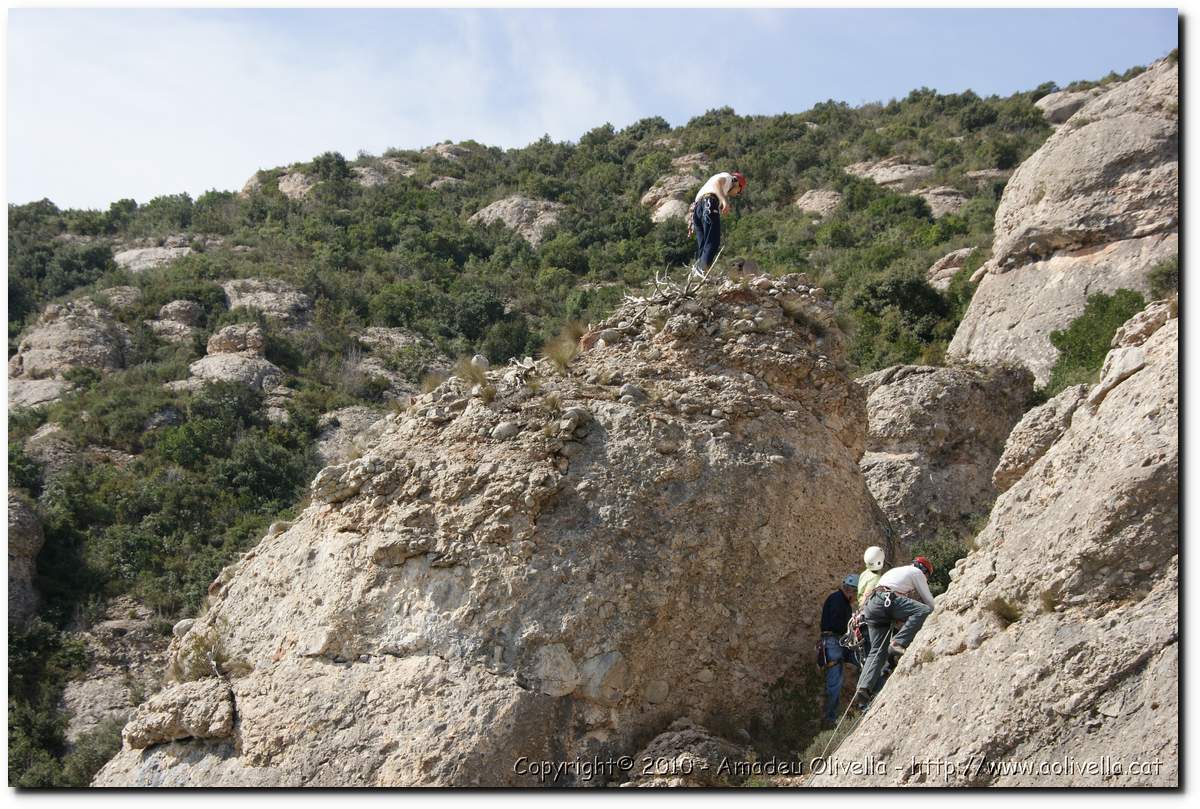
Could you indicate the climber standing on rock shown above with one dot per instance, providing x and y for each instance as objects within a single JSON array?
[
  {"x": 835, "y": 614},
  {"x": 704, "y": 217},
  {"x": 902, "y": 594}
]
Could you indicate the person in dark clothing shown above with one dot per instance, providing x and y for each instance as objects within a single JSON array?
[
  {"x": 712, "y": 200},
  {"x": 835, "y": 614}
]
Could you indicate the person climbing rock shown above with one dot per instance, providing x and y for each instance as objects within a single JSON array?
[
  {"x": 835, "y": 614},
  {"x": 902, "y": 594},
  {"x": 704, "y": 216},
  {"x": 873, "y": 558}
]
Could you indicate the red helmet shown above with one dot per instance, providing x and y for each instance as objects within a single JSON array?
[
  {"x": 741, "y": 179},
  {"x": 924, "y": 564}
]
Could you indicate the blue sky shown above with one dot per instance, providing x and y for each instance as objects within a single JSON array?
[{"x": 136, "y": 103}]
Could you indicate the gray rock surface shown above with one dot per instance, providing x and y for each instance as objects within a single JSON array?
[
  {"x": 1035, "y": 433},
  {"x": 821, "y": 201},
  {"x": 296, "y": 185},
  {"x": 1058, "y": 640},
  {"x": 121, "y": 298},
  {"x": 1109, "y": 173},
  {"x": 530, "y": 218},
  {"x": 73, "y": 334},
  {"x": 934, "y": 438},
  {"x": 942, "y": 271},
  {"x": 126, "y": 655},
  {"x": 200, "y": 709},
  {"x": 1060, "y": 106},
  {"x": 450, "y": 602},
  {"x": 1093, "y": 210},
  {"x": 25, "y": 540},
  {"x": 942, "y": 200},
  {"x": 273, "y": 297},
  {"x": 177, "y": 320},
  {"x": 235, "y": 354},
  {"x": 147, "y": 258},
  {"x": 53, "y": 448},
  {"x": 341, "y": 429},
  {"x": 895, "y": 172},
  {"x": 688, "y": 755},
  {"x": 671, "y": 195}
]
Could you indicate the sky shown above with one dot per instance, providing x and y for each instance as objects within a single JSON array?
[{"x": 107, "y": 104}]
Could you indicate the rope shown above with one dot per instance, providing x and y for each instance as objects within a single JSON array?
[{"x": 886, "y": 643}]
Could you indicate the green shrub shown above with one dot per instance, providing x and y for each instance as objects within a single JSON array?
[
  {"x": 1083, "y": 345},
  {"x": 1164, "y": 278}
]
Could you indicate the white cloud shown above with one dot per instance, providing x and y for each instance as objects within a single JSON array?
[{"x": 109, "y": 105}]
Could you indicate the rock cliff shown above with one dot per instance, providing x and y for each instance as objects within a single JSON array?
[
  {"x": 1053, "y": 658},
  {"x": 1093, "y": 210},
  {"x": 539, "y": 563},
  {"x": 934, "y": 438}
]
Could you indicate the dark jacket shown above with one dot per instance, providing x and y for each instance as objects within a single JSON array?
[{"x": 836, "y": 613}]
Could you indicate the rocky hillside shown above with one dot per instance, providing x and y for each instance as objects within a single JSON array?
[{"x": 538, "y": 561}]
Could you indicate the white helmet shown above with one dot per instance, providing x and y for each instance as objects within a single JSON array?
[{"x": 873, "y": 558}]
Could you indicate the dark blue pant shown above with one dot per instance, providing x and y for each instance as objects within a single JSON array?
[
  {"x": 706, "y": 219},
  {"x": 833, "y": 676}
]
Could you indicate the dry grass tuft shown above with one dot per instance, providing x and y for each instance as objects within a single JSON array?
[
  {"x": 469, "y": 372},
  {"x": 564, "y": 348}
]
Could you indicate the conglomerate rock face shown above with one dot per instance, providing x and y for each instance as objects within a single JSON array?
[
  {"x": 1093, "y": 210},
  {"x": 68, "y": 335},
  {"x": 934, "y": 438},
  {"x": 541, "y": 564},
  {"x": 1053, "y": 658}
]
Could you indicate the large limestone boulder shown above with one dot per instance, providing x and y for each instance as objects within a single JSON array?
[
  {"x": 942, "y": 200},
  {"x": 934, "y": 438},
  {"x": 820, "y": 201},
  {"x": 1092, "y": 211},
  {"x": 1035, "y": 433},
  {"x": 530, "y": 218},
  {"x": 1060, "y": 106},
  {"x": 126, "y": 654},
  {"x": 121, "y": 298},
  {"x": 235, "y": 354},
  {"x": 560, "y": 569},
  {"x": 296, "y": 184},
  {"x": 942, "y": 271},
  {"x": 147, "y": 258},
  {"x": 273, "y": 297},
  {"x": 73, "y": 334},
  {"x": 1053, "y": 658},
  {"x": 448, "y": 151},
  {"x": 24, "y": 542},
  {"x": 894, "y": 173},
  {"x": 201, "y": 709},
  {"x": 378, "y": 172},
  {"x": 671, "y": 195},
  {"x": 177, "y": 321}
]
